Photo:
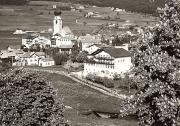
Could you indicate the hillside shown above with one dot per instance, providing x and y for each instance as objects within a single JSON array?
[{"x": 142, "y": 6}]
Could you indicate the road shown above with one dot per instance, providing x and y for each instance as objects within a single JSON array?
[{"x": 92, "y": 85}]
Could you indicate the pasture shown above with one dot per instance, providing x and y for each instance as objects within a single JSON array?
[{"x": 82, "y": 98}]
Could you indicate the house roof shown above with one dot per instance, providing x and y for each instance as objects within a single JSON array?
[
  {"x": 26, "y": 55},
  {"x": 90, "y": 39},
  {"x": 29, "y": 54},
  {"x": 46, "y": 59},
  {"x": 114, "y": 52},
  {"x": 40, "y": 53},
  {"x": 7, "y": 53},
  {"x": 98, "y": 45}
]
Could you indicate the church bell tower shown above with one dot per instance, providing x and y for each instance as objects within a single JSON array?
[{"x": 57, "y": 22}]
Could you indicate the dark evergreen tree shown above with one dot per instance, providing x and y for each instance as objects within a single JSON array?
[
  {"x": 74, "y": 52},
  {"x": 156, "y": 63}
]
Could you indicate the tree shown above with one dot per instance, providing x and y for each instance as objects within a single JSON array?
[
  {"x": 116, "y": 41},
  {"x": 75, "y": 51},
  {"x": 26, "y": 100},
  {"x": 82, "y": 57},
  {"x": 60, "y": 58},
  {"x": 156, "y": 62},
  {"x": 35, "y": 48}
]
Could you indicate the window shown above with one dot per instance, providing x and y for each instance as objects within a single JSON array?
[{"x": 53, "y": 41}]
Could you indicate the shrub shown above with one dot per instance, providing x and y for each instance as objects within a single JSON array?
[
  {"x": 116, "y": 77},
  {"x": 27, "y": 100},
  {"x": 98, "y": 79},
  {"x": 108, "y": 82}
]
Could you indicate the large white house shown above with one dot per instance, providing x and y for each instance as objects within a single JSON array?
[{"x": 107, "y": 62}]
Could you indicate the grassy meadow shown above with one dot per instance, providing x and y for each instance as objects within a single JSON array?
[{"x": 82, "y": 98}]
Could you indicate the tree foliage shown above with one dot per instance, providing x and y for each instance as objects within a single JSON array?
[
  {"x": 117, "y": 41},
  {"x": 26, "y": 100},
  {"x": 156, "y": 63},
  {"x": 75, "y": 51},
  {"x": 60, "y": 58},
  {"x": 82, "y": 57}
]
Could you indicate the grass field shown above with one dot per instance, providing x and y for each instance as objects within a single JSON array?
[{"x": 82, "y": 98}]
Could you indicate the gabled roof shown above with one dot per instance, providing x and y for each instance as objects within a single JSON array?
[
  {"x": 40, "y": 53},
  {"x": 46, "y": 59},
  {"x": 98, "y": 45},
  {"x": 114, "y": 52},
  {"x": 29, "y": 54},
  {"x": 26, "y": 55}
]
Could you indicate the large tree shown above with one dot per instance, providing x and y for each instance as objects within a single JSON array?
[
  {"x": 156, "y": 64},
  {"x": 27, "y": 100}
]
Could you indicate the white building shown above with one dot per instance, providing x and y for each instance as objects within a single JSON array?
[
  {"x": 107, "y": 62},
  {"x": 89, "y": 40},
  {"x": 14, "y": 54},
  {"x": 62, "y": 36},
  {"x": 33, "y": 59},
  {"x": 45, "y": 62}
]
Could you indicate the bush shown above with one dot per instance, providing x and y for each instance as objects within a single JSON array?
[
  {"x": 90, "y": 77},
  {"x": 101, "y": 80},
  {"x": 116, "y": 77},
  {"x": 108, "y": 82},
  {"x": 27, "y": 100},
  {"x": 98, "y": 79}
]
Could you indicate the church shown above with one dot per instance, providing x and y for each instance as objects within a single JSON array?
[{"x": 62, "y": 35}]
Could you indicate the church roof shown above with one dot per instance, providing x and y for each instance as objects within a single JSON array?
[
  {"x": 57, "y": 12},
  {"x": 68, "y": 30}
]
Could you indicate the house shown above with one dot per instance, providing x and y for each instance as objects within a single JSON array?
[
  {"x": 94, "y": 47},
  {"x": 35, "y": 38},
  {"x": 45, "y": 62},
  {"x": 29, "y": 59},
  {"x": 89, "y": 40},
  {"x": 124, "y": 46},
  {"x": 14, "y": 47},
  {"x": 14, "y": 54},
  {"x": 108, "y": 62}
]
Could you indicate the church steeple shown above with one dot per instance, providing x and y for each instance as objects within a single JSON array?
[{"x": 57, "y": 22}]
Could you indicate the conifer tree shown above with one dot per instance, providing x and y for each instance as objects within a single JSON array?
[{"x": 156, "y": 57}]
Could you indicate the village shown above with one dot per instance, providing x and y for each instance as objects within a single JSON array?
[
  {"x": 101, "y": 54},
  {"x": 83, "y": 51}
]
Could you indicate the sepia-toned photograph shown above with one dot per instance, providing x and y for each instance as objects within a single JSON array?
[{"x": 89, "y": 62}]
